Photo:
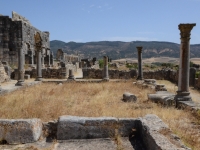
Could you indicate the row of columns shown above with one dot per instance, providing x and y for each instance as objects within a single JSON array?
[
  {"x": 21, "y": 63},
  {"x": 183, "y": 93}
]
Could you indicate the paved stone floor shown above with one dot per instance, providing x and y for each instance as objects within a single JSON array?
[{"x": 83, "y": 144}]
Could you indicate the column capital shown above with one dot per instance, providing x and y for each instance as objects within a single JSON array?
[
  {"x": 139, "y": 48},
  {"x": 185, "y": 30}
]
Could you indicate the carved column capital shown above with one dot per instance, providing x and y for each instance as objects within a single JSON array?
[
  {"x": 139, "y": 48},
  {"x": 185, "y": 30}
]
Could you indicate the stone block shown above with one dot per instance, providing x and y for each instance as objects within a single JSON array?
[
  {"x": 160, "y": 87},
  {"x": 126, "y": 126},
  {"x": 128, "y": 97},
  {"x": 26, "y": 76},
  {"x": 72, "y": 127},
  {"x": 20, "y": 130}
]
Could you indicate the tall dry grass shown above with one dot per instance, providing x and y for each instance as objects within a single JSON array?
[{"x": 49, "y": 101}]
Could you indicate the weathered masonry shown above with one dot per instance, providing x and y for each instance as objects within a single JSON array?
[{"x": 17, "y": 34}]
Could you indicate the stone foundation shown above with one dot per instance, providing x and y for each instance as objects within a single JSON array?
[{"x": 148, "y": 132}]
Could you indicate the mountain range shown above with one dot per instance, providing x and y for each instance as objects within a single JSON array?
[{"x": 118, "y": 49}]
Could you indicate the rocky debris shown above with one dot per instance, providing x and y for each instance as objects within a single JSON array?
[
  {"x": 20, "y": 131},
  {"x": 146, "y": 83},
  {"x": 160, "y": 87},
  {"x": 114, "y": 65},
  {"x": 150, "y": 81},
  {"x": 3, "y": 75},
  {"x": 163, "y": 97},
  {"x": 129, "y": 97}
]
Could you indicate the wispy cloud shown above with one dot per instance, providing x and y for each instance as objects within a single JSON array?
[
  {"x": 92, "y": 5},
  {"x": 128, "y": 39},
  {"x": 147, "y": 32}
]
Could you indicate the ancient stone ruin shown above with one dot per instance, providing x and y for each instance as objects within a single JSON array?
[{"x": 22, "y": 44}]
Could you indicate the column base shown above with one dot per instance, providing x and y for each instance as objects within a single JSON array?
[
  {"x": 105, "y": 79},
  {"x": 19, "y": 83},
  {"x": 39, "y": 79},
  {"x": 71, "y": 78},
  {"x": 183, "y": 96},
  {"x": 140, "y": 78}
]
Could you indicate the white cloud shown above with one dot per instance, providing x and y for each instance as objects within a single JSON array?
[
  {"x": 92, "y": 5},
  {"x": 128, "y": 39}
]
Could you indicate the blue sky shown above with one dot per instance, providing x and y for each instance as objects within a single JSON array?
[{"x": 110, "y": 20}]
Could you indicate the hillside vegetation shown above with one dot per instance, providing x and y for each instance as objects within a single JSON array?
[{"x": 118, "y": 49}]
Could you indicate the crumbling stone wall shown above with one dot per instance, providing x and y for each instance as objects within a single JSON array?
[
  {"x": 113, "y": 74},
  {"x": 3, "y": 75},
  {"x": 15, "y": 32},
  {"x": 165, "y": 74}
]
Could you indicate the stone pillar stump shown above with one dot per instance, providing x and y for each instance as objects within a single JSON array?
[
  {"x": 105, "y": 69},
  {"x": 21, "y": 71},
  {"x": 39, "y": 65},
  {"x": 71, "y": 74},
  {"x": 140, "y": 72}
]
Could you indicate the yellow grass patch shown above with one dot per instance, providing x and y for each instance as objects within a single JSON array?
[{"x": 49, "y": 101}]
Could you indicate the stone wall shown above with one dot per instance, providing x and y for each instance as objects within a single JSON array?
[
  {"x": 165, "y": 74},
  {"x": 113, "y": 74},
  {"x": 56, "y": 73},
  {"x": 16, "y": 32},
  {"x": 3, "y": 74}
]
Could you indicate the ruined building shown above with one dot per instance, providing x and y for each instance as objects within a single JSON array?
[{"x": 17, "y": 33}]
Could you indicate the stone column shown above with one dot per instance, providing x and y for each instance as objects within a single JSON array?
[
  {"x": 39, "y": 65},
  {"x": 80, "y": 64},
  {"x": 42, "y": 61},
  {"x": 140, "y": 72},
  {"x": 51, "y": 58},
  {"x": 31, "y": 57},
  {"x": 105, "y": 69},
  {"x": 71, "y": 74},
  {"x": 21, "y": 57},
  {"x": 48, "y": 58},
  {"x": 183, "y": 93}
]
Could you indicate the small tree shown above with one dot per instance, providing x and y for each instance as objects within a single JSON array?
[{"x": 101, "y": 63}]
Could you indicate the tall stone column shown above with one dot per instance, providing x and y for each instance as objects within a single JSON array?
[
  {"x": 48, "y": 56},
  {"x": 140, "y": 72},
  {"x": 51, "y": 58},
  {"x": 183, "y": 93},
  {"x": 42, "y": 57},
  {"x": 31, "y": 57},
  {"x": 39, "y": 65},
  {"x": 21, "y": 60},
  {"x": 42, "y": 61},
  {"x": 105, "y": 69}
]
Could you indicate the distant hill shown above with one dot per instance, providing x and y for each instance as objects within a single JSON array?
[{"x": 118, "y": 49}]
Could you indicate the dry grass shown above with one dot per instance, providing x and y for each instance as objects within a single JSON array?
[{"x": 49, "y": 101}]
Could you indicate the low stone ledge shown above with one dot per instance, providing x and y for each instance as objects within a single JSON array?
[
  {"x": 154, "y": 134},
  {"x": 73, "y": 127},
  {"x": 126, "y": 126},
  {"x": 191, "y": 105},
  {"x": 20, "y": 130},
  {"x": 150, "y": 132},
  {"x": 163, "y": 97}
]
